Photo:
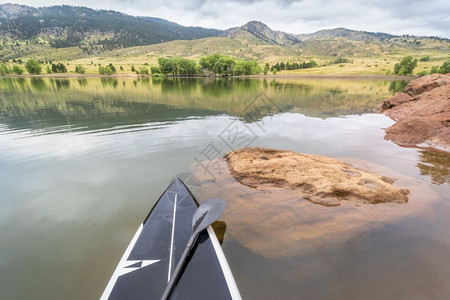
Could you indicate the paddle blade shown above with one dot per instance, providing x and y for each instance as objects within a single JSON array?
[{"x": 207, "y": 213}]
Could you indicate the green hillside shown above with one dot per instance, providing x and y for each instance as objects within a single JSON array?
[
  {"x": 77, "y": 35},
  {"x": 67, "y": 26}
]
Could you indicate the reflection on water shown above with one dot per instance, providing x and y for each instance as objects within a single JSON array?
[
  {"x": 436, "y": 165},
  {"x": 82, "y": 160},
  {"x": 107, "y": 102},
  {"x": 398, "y": 86}
]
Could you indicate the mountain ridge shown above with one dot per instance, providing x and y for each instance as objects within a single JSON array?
[
  {"x": 84, "y": 33},
  {"x": 265, "y": 33},
  {"x": 65, "y": 26}
]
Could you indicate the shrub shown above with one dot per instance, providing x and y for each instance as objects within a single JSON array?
[
  {"x": 144, "y": 71},
  {"x": 4, "y": 69},
  {"x": 101, "y": 70},
  {"x": 155, "y": 70},
  {"x": 434, "y": 69},
  {"x": 33, "y": 66},
  {"x": 341, "y": 60},
  {"x": 59, "y": 68},
  {"x": 80, "y": 69},
  {"x": 17, "y": 70},
  {"x": 113, "y": 69},
  {"x": 109, "y": 70},
  {"x": 445, "y": 68},
  {"x": 405, "y": 66},
  {"x": 425, "y": 58},
  {"x": 422, "y": 73}
]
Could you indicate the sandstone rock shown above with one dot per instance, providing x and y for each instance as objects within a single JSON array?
[
  {"x": 396, "y": 100},
  {"x": 320, "y": 179},
  {"x": 426, "y": 117},
  {"x": 426, "y": 83}
]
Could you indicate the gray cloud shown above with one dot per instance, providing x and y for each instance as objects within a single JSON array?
[{"x": 398, "y": 17}]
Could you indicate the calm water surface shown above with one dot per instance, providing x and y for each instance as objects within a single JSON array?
[{"x": 83, "y": 160}]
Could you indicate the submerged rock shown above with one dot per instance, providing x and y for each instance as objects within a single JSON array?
[
  {"x": 320, "y": 179},
  {"x": 422, "y": 113}
]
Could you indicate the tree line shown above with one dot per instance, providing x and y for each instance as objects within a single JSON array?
[
  {"x": 293, "y": 65},
  {"x": 212, "y": 65}
]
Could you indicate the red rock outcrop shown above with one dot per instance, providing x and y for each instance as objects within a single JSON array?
[{"x": 422, "y": 113}]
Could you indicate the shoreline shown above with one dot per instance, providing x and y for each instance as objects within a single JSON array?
[{"x": 293, "y": 76}]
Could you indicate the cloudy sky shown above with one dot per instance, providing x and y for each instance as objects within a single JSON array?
[{"x": 418, "y": 17}]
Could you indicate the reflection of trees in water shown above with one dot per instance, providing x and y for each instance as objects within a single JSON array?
[
  {"x": 212, "y": 87},
  {"x": 82, "y": 82},
  {"x": 38, "y": 84},
  {"x": 260, "y": 107},
  {"x": 62, "y": 84},
  {"x": 288, "y": 86},
  {"x": 436, "y": 165},
  {"x": 175, "y": 85},
  {"x": 249, "y": 99},
  {"x": 398, "y": 86},
  {"x": 108, "y": 81}
]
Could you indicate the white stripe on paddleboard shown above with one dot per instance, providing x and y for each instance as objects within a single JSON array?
[
  {"x": 171, "y": 239},
  {"x": 232, "y": 287},
  {"x": 123, "y": 264}
]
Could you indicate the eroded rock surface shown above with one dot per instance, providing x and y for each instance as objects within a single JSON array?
[
  {"x": 320, "y": 179},
  {"x": 422, "y": 113}
]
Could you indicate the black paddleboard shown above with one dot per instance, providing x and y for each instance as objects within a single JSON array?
[{"x": 153, "y": 254}]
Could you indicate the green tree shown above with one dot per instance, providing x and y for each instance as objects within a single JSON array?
[
  {"x": 155, "y": 70},
  {"x": 80, "y": 69},
  {"x": 33, "y": 66},
  {"x": 274, "y": 71},
  {"x": 434, "y": 69},
  {"x": 101, "y": 70},
  {"x": 17, "y": 70},
  {"x": 405, "y": 66},
  {"x": 208, "y": 62},
  {"x": 422, "y": 73},
  {"x": 49, "y": 70},
  {"x": 113, "y": 69},
  {"x": 133, "y": 69},
  {"x": 4, "y": 69},
  {"x": 445, "y": 68},
  {"x": 266, "y": 69},
  {"x": 59, "y": 68},
  {"x": 144, "y": 71},
  {"x": 109, "y": 70},
  {"x": 177, "y": 66},
  {"x": 247, "y": 67}
]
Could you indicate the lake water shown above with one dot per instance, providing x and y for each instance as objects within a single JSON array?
[{"x": 82, "y": 161}]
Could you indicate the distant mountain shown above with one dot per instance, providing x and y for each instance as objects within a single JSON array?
[
  {"x": 65, "y": 26},
  {"x": 264, "y": 33},
  {"x": 346, "y": 33}
]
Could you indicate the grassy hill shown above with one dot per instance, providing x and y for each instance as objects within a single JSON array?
[{"x": 141, "y": 41}]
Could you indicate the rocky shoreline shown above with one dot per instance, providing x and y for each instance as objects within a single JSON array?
[{"x": 422, "y": 113}]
